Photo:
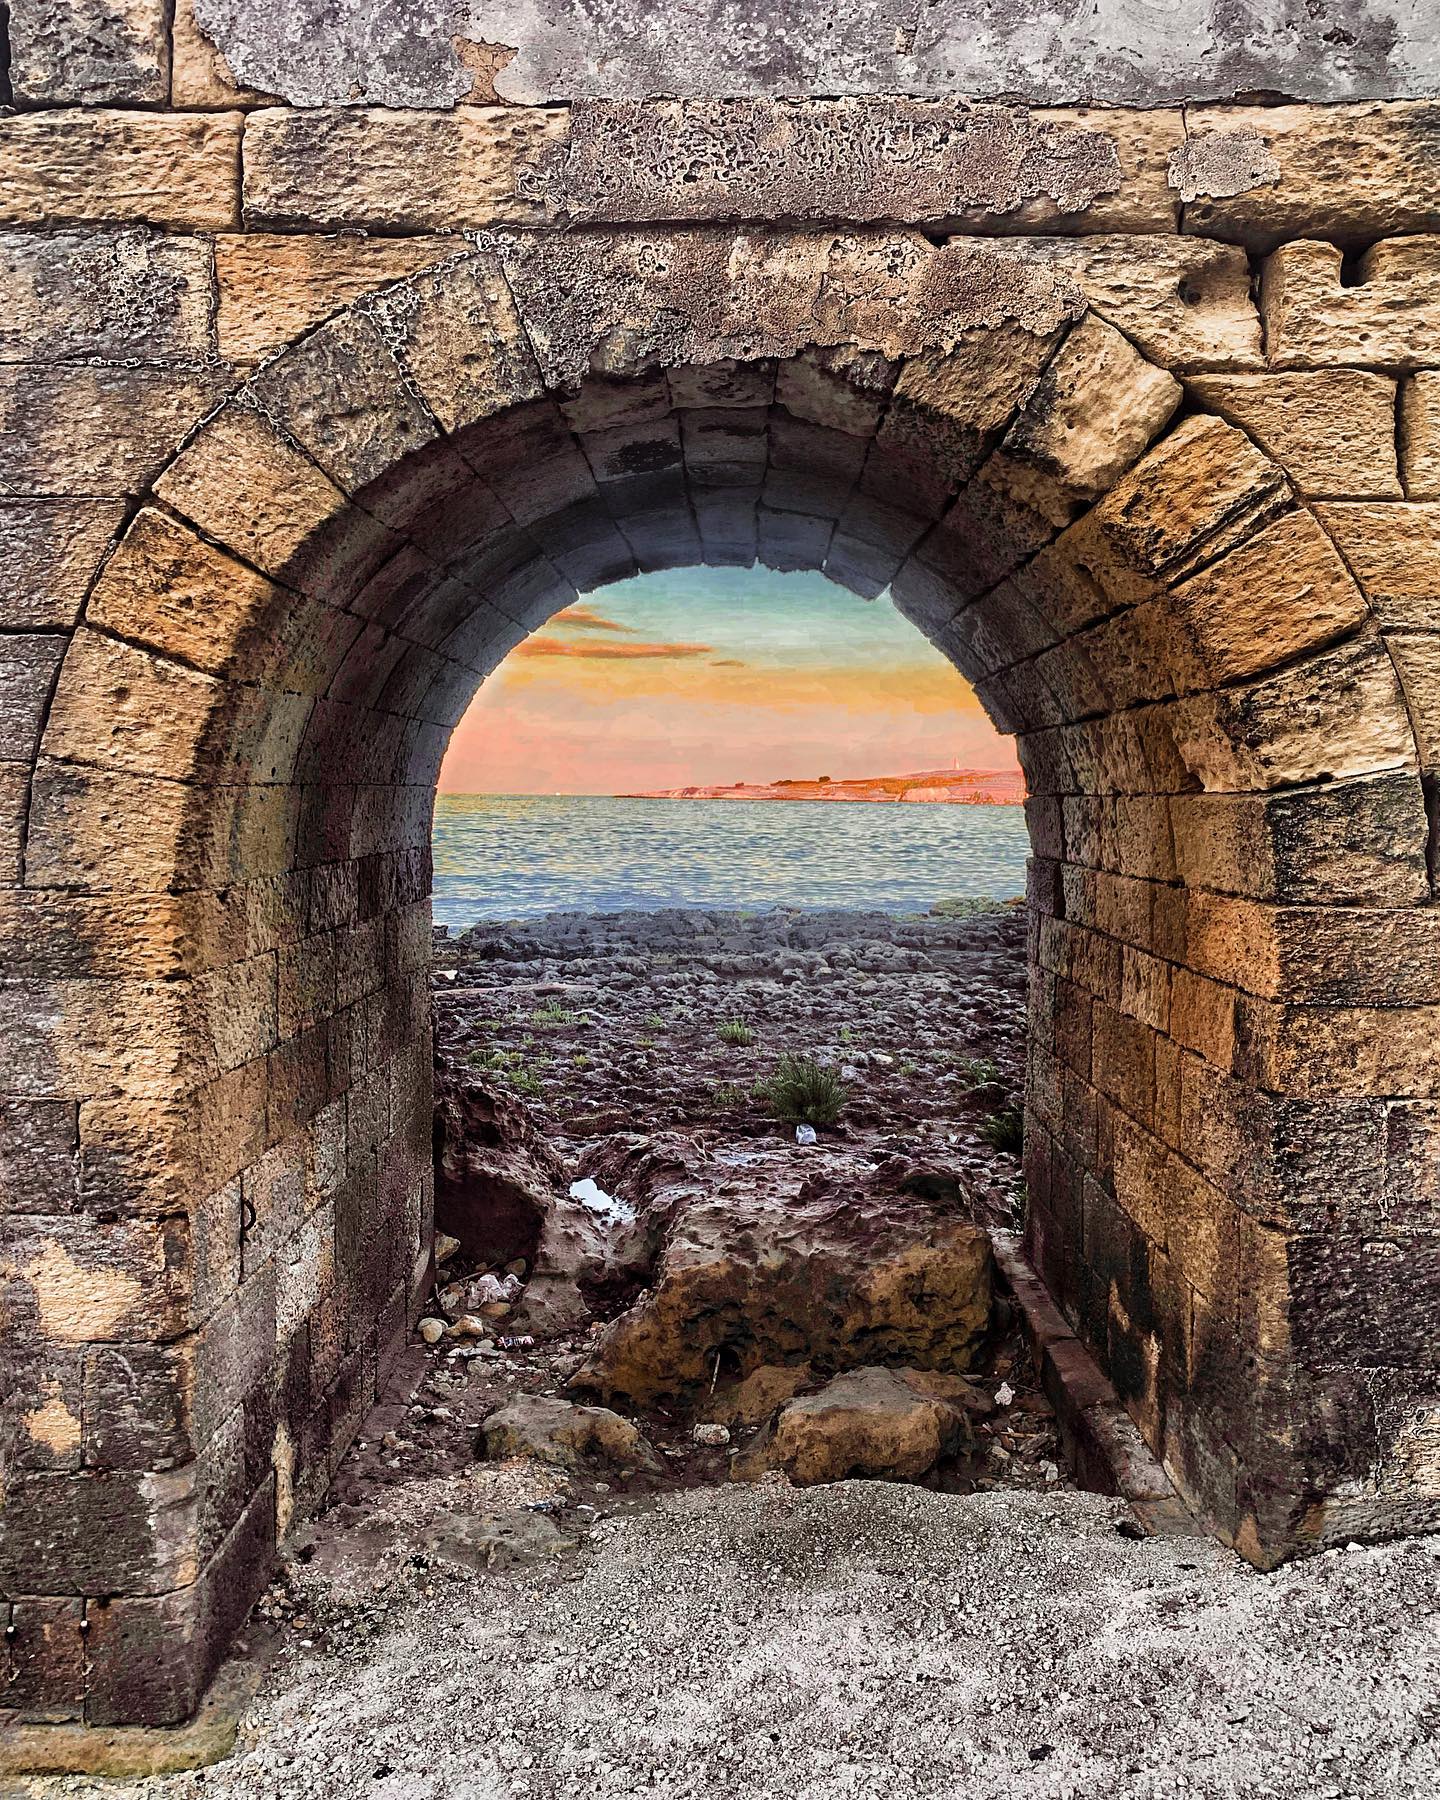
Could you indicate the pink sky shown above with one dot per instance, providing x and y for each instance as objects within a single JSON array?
[{"x": 717, "y": 676}]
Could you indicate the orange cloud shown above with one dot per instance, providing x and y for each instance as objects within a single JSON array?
[
  {"x": 546, "y": 646},
  {"x": 585, "y": 618}
]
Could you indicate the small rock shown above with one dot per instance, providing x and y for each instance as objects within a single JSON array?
[
  {"x": 469, "y": 1325},
  {"x": 432, "y": 1330},
  {"x": 894, "y": 1423},
  {"x": 711, "y": 1434},
  {"x": 445, "y": 1247},
  {"x": 557, "y": 1432}
]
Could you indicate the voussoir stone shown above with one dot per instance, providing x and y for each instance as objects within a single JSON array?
[{"x": 1333, "y": 432}]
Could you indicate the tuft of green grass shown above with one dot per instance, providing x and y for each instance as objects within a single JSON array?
[
  {"x": 977, "y": 1070},
  {"x": 654, "y": 1021},
  {"x": 552, "y": 1014},
  {"x": 801, "y": 1091},
  {"x": 1005, "y": 1130},
  {"x": 524, "y": 1081},
  {"x": 580, "y": 1060},
  {"x": 725, "y": 1096},
  {"x": 735, "y": 1032}
]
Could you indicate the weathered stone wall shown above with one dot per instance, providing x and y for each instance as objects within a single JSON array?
[{"x": 309, "y": 416}]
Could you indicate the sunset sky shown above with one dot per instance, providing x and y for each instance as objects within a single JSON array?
[{"x": 716, "y": 676}]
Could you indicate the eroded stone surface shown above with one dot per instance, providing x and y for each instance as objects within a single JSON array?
[{"x": 420, "y": 54}]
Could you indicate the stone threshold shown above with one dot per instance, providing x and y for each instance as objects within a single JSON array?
[{"x": 1105, "y": 1450}]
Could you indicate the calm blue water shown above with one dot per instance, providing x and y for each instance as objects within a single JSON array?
[{"x": 509, "y": 856}]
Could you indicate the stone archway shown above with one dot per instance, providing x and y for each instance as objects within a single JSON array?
[{"x": 222, "y": 1026}]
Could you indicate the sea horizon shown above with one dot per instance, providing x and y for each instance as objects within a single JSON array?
[{"x": 518, "y": 855}]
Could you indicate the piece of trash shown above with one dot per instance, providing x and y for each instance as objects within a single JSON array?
[
  {"x": 554, "y": 1504},
  {"x": 711, "y": 1434},
  {"x": 1004, "y": 1394},
  {"x": 804, "y": 1134},
  {"x": 1050, "y": 1471},
  {"x": 515, "y": 1343}
]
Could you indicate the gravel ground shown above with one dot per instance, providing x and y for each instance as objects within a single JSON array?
[{"x": 861, "y": 1640}]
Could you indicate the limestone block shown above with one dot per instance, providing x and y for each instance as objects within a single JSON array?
[
  {"x": 28, "y": 662},
  {"x": 242, "y": 485},
  {"x": 1417, "y": 659},
  {"x": 379, "y": 169},
  {"x": 51, "y": 550},
  {"x": 949, "y": 407},
  {"x": 1388, "y": 316},
  {"x": 98, "y": 830},
  {"x": 1353, "y": 956},
  {"x": 272, "y": 288},
  {"x": 1395, "y": 553},
  {"x": 1260, "y": 175},
  {"x": 341, "y": 394},
  {"x": 107, "y": 295},
  {"x": 39, "y": 1140},
  {"x": 1420, "y": 435},
  {"x": 843, "y": 389},
  {"x": 1339, "y": 713},
  {"x": 1333, "y": 432},
  {"x": 1185, "y": 303},
  {"x": 166, "y": 588},
  {"x": 457, "y": 331},
  {"x": 125, "y": 708},
  {"x": 863, "y": 158},
  {"x": 1198, "y": 493},
  {"x": 178, "y": 170},
  {"x": 200, "y": 76},
  {"x": 89, "y": 52},
  {"x": 14, "y": 798},
  {"x": 1350, "y": 843},
  {"x": 1283, "y": 591},
  {"x": 1094, "y": 412},
  {"x": 1333, "y": 1053},
  {"x": 92, "y": 430}
]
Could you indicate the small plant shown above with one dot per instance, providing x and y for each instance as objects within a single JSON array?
[
  {"x": 979, "y": 1071},
  {"x": 847, "y": 1034},
  {"x": 909, "y": 1068},
  {"x": 736, "y": 1032},
  {"x": 802, "y": 1091},
  {"x": 580, "y": 1060},
  {"x": 1005, "y": 1130},
  {"x": 654, "y": 1021},
  {"x": 552, "y": 1014},
  {"x": 725, "y": 1096},
  {"x": 499, "y": 1060},
  {"x": 524, "y": 1081}
]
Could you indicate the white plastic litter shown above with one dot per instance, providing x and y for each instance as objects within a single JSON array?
[
  {"x": 1004, "y": 1394},
  {"x": 804, "y": 1134}
]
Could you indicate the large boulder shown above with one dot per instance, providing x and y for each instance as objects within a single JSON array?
[
  {"x": 568, "y": 1436},
  {"x": 896, "y": 1424},
  {"x": 767, "y": 1260}
]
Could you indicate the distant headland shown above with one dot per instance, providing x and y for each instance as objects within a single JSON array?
[{"x": 948, "y": 787}]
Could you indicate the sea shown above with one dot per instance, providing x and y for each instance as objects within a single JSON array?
[{"x": 511, "y": 856}]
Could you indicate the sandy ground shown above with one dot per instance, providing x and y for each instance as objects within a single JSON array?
[{"x": 861, "y": 1640}]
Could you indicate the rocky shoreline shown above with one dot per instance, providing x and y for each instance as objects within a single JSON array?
[{"x": 658, "y": 1268}]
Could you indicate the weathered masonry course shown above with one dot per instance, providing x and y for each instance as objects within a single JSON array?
[{"x": 310, "y": 416}]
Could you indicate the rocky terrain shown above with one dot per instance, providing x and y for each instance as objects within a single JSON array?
[{"x": 729, "y": 1175}]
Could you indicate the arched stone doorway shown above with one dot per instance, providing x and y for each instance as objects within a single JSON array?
[{"x": 222, "y": 1022}]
